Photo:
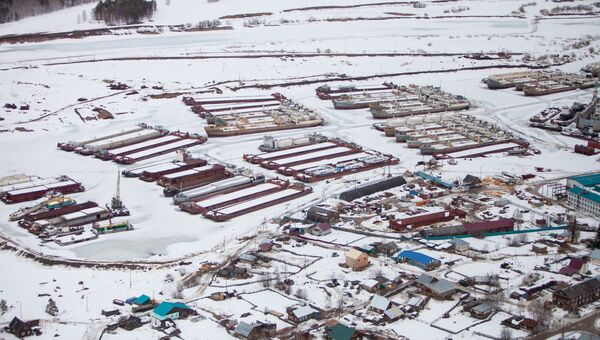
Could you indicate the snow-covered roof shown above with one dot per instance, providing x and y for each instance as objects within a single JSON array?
[
  {"x": 459, "y": 242},
  {"x": 379, "y": 302},
  {"x": 415, "y": 301},
  {"x": 394, "y": 312},
  {"x": 244, "y": 328},
  {"x": 303, "y": 311},
  {"x": 370, "y": 282}
]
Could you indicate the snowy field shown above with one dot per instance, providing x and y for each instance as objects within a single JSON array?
[{"x": 389, "y": 42}]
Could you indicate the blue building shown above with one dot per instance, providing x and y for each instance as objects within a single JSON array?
[
  {"x": 172, "y": 310},
  {"x": 436, "y": 180},
  {"x": 417, "y": 259},
  {"x": 141, "y": 300},
  {"x": 584, "y": 193}
]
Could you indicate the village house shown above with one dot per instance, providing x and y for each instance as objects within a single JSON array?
[
  {"x": 130, "y": 323},
  {"x": 417, "y": 303},
  {"x": 379, "y": 304},
  {"x": 140, "y": 300},
  {"x": 520, "y": 322},
  {"x": 110, "y": 312},
  {"x": 22, "y": 329},
  {"x": 530, "y": 293},
  {"x": 377, "y": 284},
  {"x": 265, "y": 245},
  {"x": 298, "y": 230},
  {"x": 321, "y": 229},
  {"x": 418, "y": 259},
  {"x": 459, "y": 244},
  {"x": 388, "y": 249},
  {"x": 370, "y": 285},
  {"x": 233, "y": 272},
  {"x": 577, "y": 295},
  {"x": 172, "y": 310},
  {"x": 539, "y": 248},
  {"x": 298, "y": 314},
  {"x": 440, "y": 289},
  {"x": 471, "y": 182},
  {"x": 256, "y": 330},
  {"x": 247, "y": 257},
  {"x": 356, "y": 259},
  {"x": 482, "y": 311},
  {"x": 575, "y": 266},
  {"x": 220, "y": 296},
  {"x": 322, "y": 214},
  {"x": 393, "y": 314}
]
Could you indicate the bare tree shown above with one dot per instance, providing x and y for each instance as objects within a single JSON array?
[
  {"x": 300, "y": 293},
  {"x": 506, "y": 334},
  {"x": 178, "y": 291},
  {"x": 539, "y": 312},
  {"x": 266, "y": 280},
  {"x": 84, "y": 15}
]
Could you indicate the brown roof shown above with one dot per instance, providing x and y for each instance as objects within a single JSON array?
[
  {"x": 354, "y": 253},
  {"x": 581, "y": 289}
]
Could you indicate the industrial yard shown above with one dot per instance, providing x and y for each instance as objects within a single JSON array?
[
  {"x": 302, "y": 170},
  {"x": 450, "y": 136}
]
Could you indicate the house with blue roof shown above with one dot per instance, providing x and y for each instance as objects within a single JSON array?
[
  {"x": 584, "y": 193},
  {"x": 172, "y": 310},
  {"x": 417, "y": 259},
  {"x": 141, "y": 300}
]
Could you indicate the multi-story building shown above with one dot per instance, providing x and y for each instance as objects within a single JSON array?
[
  {"x": 577, "y": 295},
  {"x": 584, "y": 193}
]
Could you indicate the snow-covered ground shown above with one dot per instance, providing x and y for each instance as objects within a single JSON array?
[{"x": 51, "y": 76}]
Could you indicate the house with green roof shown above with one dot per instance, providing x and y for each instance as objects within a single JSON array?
[
  {"x": 172, "y": 310},
  {"x": 340, "y": 332},
  {"x": 584, "y": 193}
]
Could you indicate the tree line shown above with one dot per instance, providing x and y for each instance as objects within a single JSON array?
[
  {"x": 13, "y": 10},
  {"x": 114, "y": 12}
]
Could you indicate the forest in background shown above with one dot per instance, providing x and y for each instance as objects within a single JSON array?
[{"x": 12, "y": 10}]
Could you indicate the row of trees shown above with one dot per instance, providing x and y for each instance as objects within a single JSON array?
[
  {"x": 115, "y": 12},
  {"x": 12, "y": 10}
]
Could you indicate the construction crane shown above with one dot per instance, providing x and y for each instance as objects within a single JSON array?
[{"x": 116, "y": 204}]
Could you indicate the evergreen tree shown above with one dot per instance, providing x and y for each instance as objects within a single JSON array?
[
  {"x": 3, "y": 307},
  {"x": 115, "y": 12},
  {"x": 51, "y": 308}
]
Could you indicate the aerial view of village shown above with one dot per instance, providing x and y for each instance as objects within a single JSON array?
[{"x": 299, "y": 169}]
